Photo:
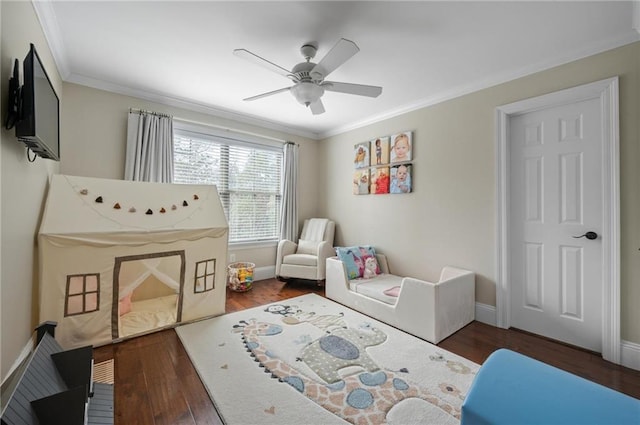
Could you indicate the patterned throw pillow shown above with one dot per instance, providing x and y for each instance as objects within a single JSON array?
[{"x": 354, "y": 259}]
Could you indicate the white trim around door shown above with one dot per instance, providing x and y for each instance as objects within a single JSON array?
[{"x": 607, "y": 92}]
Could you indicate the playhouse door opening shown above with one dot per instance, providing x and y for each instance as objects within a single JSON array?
[{"x": 147, "y": 293}]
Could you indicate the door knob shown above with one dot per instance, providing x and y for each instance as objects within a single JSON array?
[{"x": 589, "y": 235}]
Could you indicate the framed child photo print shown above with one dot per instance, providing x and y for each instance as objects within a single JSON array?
[
  {"x": 361, "y": 182},
  {"x": 380, "y": 180},
  {"x": 401, "y": 147},
  {"x": 361, "y": 155},
  {"x": 380, "y": 151},
  {"x": 400, "y": 178}
]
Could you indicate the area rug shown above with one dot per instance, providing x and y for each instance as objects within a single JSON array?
[{"x": 309, "y": 360}]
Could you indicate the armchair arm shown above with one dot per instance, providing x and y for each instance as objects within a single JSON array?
[
  {"x": 325, "y": 250},
  {"x": 285, "y": 247}
]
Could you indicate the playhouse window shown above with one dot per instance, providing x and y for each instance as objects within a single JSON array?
[
  {"x": 83, "y": 294},
  {"x": 247, "y": 174},
  {"x": 205, "y": 275}
]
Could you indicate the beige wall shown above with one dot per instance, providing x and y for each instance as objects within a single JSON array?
[
  {"x": 24, "y": 188},
  {"x": 94, "y": 132},
  {"x": 450, "y": 218}
]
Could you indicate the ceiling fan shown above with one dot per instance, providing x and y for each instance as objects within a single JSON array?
[{"x": 309, "y": 78}]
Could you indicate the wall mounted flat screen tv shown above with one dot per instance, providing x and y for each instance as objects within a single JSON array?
[{"x": 38, "y": 125}]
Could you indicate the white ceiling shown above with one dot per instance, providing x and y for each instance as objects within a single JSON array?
[{"x": 421, "y": 52}]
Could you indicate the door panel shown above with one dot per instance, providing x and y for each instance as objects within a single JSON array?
[
  {"x": 571, "y": 281},
  {"x": 555, "y": 194}
]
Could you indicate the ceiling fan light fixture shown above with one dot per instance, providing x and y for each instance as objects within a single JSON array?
[
  {"x": 307, "y": 92},
  {"x": 309, "y": 78}
]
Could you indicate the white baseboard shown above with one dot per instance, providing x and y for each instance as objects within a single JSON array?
[
  {"x": 629, "y": 351},
  {"x": 262, "y": 273},
  {"x": 486, "y": 314},
  {"x": 630, "y": 355}
]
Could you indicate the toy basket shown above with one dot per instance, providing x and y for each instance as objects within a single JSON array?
[{"x": 240, "y": 276}]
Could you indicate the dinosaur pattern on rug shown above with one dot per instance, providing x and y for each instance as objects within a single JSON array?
[{"x": 362, "y": 398}]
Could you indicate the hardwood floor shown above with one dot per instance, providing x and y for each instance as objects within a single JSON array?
[{"x": 156, "y": 383}]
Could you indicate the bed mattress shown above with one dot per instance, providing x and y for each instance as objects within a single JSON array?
[{"x": 149, "y": 314}]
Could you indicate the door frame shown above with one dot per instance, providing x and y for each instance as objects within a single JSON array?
[
  {"x": 115, "y": 326},
  {"x": 607, "y": 91}
]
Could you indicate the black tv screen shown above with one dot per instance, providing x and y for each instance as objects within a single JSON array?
[{"x": 39, "y": 123}]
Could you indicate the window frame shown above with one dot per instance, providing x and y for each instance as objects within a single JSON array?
[
  {"x": 82, "y": 294},
  {"x": 227, "y": 137},
  {"x": 207, "y": 273}
]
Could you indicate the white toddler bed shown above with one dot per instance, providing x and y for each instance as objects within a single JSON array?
[{"x": 428, "y": 310}]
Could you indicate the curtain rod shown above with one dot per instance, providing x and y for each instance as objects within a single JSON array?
[
  {"x": 230, "y": 130},
  {"x": 144, "y": 111}
]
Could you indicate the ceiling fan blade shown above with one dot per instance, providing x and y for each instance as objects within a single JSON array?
[
  {"x": 316, "y": 107},
  {"x": 260, "y": 96},
  {"x": 359, "y": 89},
  {"x": 339, "y": 54},
  {"x": 245, "y": 54}
]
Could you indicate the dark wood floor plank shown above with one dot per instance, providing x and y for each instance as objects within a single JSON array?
[
  {"x": 131, "y": 404},
  {"x": 156, "y": 383},
  {"x": 190, "y": 383},
  {"x": 477, "y": 341},
  {"x": 168, "y": 401}
]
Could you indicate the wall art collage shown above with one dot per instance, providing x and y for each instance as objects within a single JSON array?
[{"x": 383, "y": 165}]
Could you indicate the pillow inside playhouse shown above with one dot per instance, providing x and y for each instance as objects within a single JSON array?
[
  {"x": 124, "y": 306},
  {"x": 360, "y": 261}
]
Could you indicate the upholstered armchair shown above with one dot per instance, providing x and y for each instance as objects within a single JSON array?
[{"x": 306, "y": 259}]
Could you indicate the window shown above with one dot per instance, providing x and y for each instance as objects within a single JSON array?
[
  {"x": 248, "y": 177},
  {"x": 83, "y": 292},
  {"x": 205, "y": 276}
]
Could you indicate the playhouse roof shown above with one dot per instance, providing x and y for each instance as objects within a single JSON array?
[{"x": 103, "y": 211}]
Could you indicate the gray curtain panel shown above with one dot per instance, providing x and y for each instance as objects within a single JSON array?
[
  {"x": 289, "y": 208},
  {"x": 149, "y": 155}
]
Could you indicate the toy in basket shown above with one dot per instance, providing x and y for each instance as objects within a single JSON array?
[{"x": 240, "y": 276}]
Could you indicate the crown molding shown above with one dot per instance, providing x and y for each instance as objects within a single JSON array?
[
  {"x": 495, "y": 80},
  {"x": 49, "y": 23},
  {"x": 190, "y": 106}
]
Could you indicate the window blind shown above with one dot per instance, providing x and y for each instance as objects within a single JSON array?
[{"x": 248, "y": 177}]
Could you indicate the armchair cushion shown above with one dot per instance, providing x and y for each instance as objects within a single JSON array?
[
  {"x": 301, "y": 260},
  {"x": 308, "y": 247}
]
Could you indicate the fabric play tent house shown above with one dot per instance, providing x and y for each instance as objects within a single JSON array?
[{"x": 121, "y": 258}]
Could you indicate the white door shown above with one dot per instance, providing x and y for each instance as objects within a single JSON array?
[{"x": 555, "y": 195}]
